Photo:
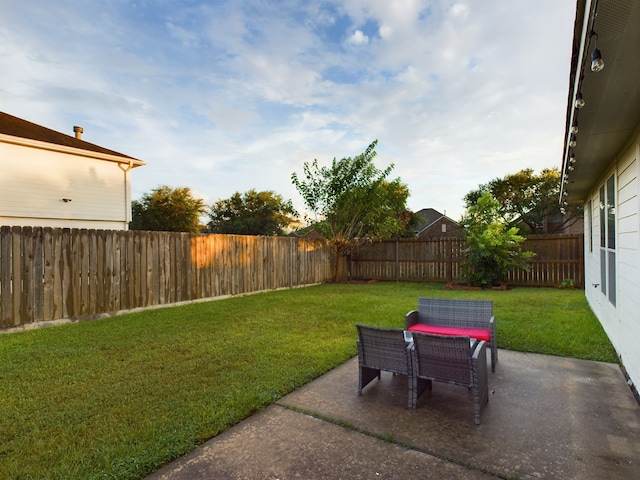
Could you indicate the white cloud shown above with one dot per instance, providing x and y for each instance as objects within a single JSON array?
[
  {"x": 187, "y": 39},
  {"x": 358, "y": 38},
  {"x": 223, "y": 96}
]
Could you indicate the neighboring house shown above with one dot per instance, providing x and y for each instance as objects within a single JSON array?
[
  {"x": 307, "y": 232},
  {"x": 434, "y": 224},
  {"x": 555, "y": 224},
  {"x": 50, "y": 179},
  {"x": 602, "y": 169},
  {"x": 563, "y": 224}
]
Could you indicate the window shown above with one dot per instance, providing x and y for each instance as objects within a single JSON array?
[
  {"x": 608, "y": 239},
  {"x": 611, "y": 214},
  {"x": 589, "y": 218},
  {"x": 603, "y": 259},
  {"x": 602, "y": 217},
  {"x": 611, "y": 237}
]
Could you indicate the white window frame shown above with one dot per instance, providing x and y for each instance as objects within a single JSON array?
[{"x": 608, "y": 231}]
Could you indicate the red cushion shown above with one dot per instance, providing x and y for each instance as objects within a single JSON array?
[{"x": 479, "y": 333}]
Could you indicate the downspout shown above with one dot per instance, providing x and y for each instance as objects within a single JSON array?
[{"x": 127, "y": 194}]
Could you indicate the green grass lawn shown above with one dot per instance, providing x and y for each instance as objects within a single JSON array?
[{"x": 119, "y": 397}]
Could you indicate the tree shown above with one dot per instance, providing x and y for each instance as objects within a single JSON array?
[
  {"x": 409, "y": 221},
  {"x": 353, "y": 202},
  {"x": 492, "y": 247},
  {"x": 253, "y": 213},
  {"x": 167, "y": 209},
  {"x": 525, "y": 197}
]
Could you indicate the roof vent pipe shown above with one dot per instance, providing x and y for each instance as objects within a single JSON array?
[{"x": 78, "y": 131}]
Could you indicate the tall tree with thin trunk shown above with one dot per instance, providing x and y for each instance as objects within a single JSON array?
[{"x": 352, "y": 201}]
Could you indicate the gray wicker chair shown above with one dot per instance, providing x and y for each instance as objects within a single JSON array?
[
  {"x": 382, "y": 349},
  {"x": 450, "y": 359},
  {"x": 459, "y": 314}
]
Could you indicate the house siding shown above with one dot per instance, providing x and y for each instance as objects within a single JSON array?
[
  {"x": 435, "y": 230},
  {"x": 34, "y": 181},
  {"x": 621, "y": 323}
]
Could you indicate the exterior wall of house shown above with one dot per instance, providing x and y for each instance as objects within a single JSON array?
[
  {"x": 34, "y": 182},
  {"x": 620, "y": 320},
  {"x": 441, "y": 228},
  {"x": 555, "y": 224}
]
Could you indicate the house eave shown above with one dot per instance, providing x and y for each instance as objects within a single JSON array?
[
  {"x": 27, "y": 142},
  {"x": 610, "y": 118}
]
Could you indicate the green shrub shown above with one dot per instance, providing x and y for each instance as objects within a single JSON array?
[
  {"x": 567, "y": 283},
  {"x": 493, "y": 248}
]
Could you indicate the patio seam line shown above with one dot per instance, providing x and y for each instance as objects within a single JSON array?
[{"x": 389, "y": 439}]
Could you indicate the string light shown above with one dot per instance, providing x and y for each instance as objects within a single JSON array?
[
  {"x": 572, "y": 141},
  {"x": 597, "y": 64},
  {"x": 574, "y": 126}
]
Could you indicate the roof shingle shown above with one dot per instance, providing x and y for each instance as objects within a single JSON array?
[{"x": 17, "y": 127}]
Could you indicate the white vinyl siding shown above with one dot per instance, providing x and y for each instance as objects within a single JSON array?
[
  {"x": 628, "y": 249},
  {"x": 620, "y": 320},
  {"x": 34, "y": 182}
]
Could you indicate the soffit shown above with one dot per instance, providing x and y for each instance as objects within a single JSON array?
[{"x": 611, "y": 115}]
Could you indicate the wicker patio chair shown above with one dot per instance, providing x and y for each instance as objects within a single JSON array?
[
  {"x": 450, "y": 359},
  {"x": 456, "y": 313},
  {"x": 382, "y": 349}
]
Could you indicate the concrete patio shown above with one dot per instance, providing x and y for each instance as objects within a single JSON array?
[{"x": 547, "y": 417}]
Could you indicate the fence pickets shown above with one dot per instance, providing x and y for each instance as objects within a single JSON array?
[
  {"x": 50, "y": 274},
  {"x": 558, "y": 257},
  {"x": 435, "y": 260}
]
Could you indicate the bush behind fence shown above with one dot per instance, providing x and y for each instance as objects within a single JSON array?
[{"x": 558, "y": 257}]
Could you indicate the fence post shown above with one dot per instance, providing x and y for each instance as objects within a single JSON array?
[
  {"x": 449, "y": 247},
  {"x": 397, "y": 260}
]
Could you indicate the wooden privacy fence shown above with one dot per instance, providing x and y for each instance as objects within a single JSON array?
[
  {"x": 50, "y": 274},
  {"x": 436, "y": 260},
  {"x": 558, "y": 257}
]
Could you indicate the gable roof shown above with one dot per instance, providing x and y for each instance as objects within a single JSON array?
[
  {"x": 17, "y": 127},
  {"x": 429, "y": 217}
]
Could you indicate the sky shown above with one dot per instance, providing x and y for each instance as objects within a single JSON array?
[{"x": 224, "y": 96}]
